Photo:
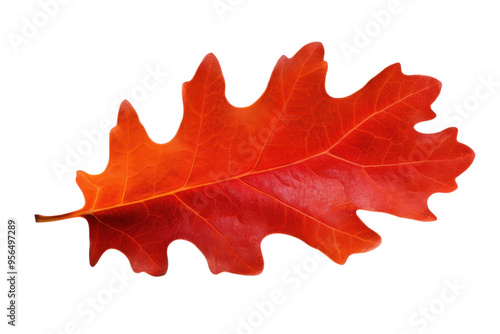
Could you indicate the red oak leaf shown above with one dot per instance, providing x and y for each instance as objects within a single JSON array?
[{"x": 296, "y": 161}]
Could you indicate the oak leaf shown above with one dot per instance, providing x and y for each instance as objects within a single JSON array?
[{"x": 297, "y": 162}]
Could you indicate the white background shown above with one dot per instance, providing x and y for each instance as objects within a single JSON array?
[{"x": 68, "y": 76}]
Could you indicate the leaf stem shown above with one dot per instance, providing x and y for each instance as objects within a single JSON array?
[{"x": 45, "y": 219}]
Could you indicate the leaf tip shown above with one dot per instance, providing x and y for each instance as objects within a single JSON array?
[
  {"x": 128, "y": 126},
  {"x": 429, "y": 216},
  {"x": 315, "y": 47},
  {"x": 126, "y": 111},
  {"x": 396, "y": 67},
  {"x": 313, "y": 52},
  {"x": 126, "y": 104},
  {"x": 210, "y": 57},
  {"x": 211, "y": 62}
]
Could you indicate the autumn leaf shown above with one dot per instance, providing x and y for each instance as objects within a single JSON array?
[{"x": 296, "y": 161}]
